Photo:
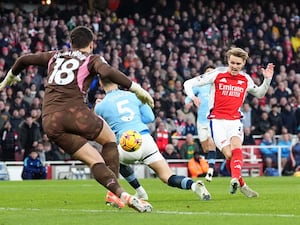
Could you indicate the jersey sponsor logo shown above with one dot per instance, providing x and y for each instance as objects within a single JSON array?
[{"x": 231, "y": 90}]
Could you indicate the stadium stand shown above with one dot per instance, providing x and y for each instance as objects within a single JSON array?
[{"x": 158, "y": 44}]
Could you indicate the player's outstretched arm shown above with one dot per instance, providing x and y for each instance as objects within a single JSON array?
[
  {"x": 10, "y": 79},
  {"x": 263, "y": 88},
  {"x": 39, "y": 59},
  {"x": 269, "y": 71},
  {"x": 188, "y": 88},
  {"x": 116, "y": 76},
  {"x": 142, "y": 94}
]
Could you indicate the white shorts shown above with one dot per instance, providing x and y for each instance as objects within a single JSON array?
[
  {"x": 148, "y": 152},
  {"x": 203, "y": 131},
  {"x": 224, "y": 130}
]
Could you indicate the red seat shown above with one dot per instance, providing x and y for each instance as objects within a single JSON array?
[
  {"x": 258, "y": 141},
  {"x": 246, "y": 152},
  {"x": 257, "y": 153},
  {"x": 180, "y": 142}
]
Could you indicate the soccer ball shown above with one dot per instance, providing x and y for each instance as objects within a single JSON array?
[{"x": 131, "y": 140}]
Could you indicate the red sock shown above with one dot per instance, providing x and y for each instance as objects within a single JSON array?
[
  {"x": 227, "y": 164},
  {"x": 236, "y": 163},
  {"x": 242, "y": 182}
]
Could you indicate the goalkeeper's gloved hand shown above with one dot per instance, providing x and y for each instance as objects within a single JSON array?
[
  {"x": 142, "y": 94},
  {"x": 10, "y": 79}
]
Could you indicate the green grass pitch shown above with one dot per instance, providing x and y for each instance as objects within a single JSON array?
[{"x": 72, "y": 202}]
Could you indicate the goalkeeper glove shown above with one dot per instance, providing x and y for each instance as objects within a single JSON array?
[
  {"x": 142, "y": 94},
  {"x": 10, "y": 79}
]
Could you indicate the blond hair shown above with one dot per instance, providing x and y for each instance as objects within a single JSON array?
[{"x": 238, "y": 52}]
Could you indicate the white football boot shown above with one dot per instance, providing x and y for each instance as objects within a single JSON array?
[
  {"x": 199, "y": 188},
  {"x": 248, "y": 192}
]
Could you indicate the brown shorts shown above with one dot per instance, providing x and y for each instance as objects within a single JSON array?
[{"x": 72, "y": 128}]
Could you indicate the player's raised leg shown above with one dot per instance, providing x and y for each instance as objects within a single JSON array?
[
  {"x": 211, "y": 158},
  {"x": 208, "y": 147},
  {"x": 107, "y": 178},
  {"x": 164, "y": 172},
  {"x": 128, "y": 174}
]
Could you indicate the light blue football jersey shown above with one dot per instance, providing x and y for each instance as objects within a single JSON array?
[
  {"x": 123, "y": 111},
  {"x": 202, "y": 92}
]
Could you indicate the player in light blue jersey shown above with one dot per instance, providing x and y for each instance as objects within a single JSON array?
[
  {"x": 208, "y": 146},
  {"x": 123, "y": 111}
]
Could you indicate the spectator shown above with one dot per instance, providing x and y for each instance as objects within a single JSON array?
[
  {"x": 269, "y": 151},
  {"x": 4, "y": 115},
  {"x": 30, "y": 94},
  {"x": 7, "y": 58},
  {"x": 289, "y": 119},
  {"x": 247, "y": 115},
  {"x": 263, "y": 123},
  {"x": 9, "y": 142},
  {"x": 190, "y": 128},
  {"x": 9, "y": 95},
  {"x": 170, "y": 125},
  {"x": 248, "y": 137},
  {"x": 40, "y": 149},
  {"x": 29, "y": 135},
  {"x": 188, "y": 148},
  {"x": 275, "y": 118},
  {"x": 19, "y": 103},
  {"x": 4, "y": 97},
  {"x": 15, "y": 119},
  {"x": 33, "y": 167},
  {"x": 170, "y": 152},
  {"x": 180, "y": 124},
  {"x": 271, "y": 131},
  {"x": 36, "y": 116},
  {"x": 281, "y": 91},
  {"x": 256, "y": 112},
  {"x": 61, "y": 155},
  {"x": 295, "y": 40},
  {"x": 297, "y": 114},
  {"x": 285, "y": 143},
  {"x": 293, "y": 163},
  {"x": 22, "y": 113},
  {"x": 49, "y": 151},
  {"x": 162, "y": 137},
  {"x": 197, "y": 165},
  {"x": 187, "y": 113},
  {"x": 175, "y": 143}
]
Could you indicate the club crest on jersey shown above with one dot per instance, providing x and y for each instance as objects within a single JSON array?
[{"x": 240, "y": 82}]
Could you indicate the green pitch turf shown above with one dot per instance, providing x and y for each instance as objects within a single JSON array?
[{"x": 68, "y": 202}]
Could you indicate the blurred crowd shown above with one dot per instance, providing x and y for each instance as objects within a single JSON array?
[{"x": 158, "y": 44}]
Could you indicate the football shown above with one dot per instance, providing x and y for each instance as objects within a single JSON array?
[{"x": 131, "y": 141}]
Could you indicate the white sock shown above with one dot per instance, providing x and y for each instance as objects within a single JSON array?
[
  {"x": 140, "y": 190},
  {"x": 125, "y": 197},
  {"x": 193, "y": 187}
]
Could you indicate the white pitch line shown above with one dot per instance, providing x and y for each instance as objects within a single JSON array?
[{"x": 158, "y": 212}]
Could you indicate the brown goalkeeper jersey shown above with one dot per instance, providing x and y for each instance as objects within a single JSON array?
[{"x": 69, "y": 76}]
